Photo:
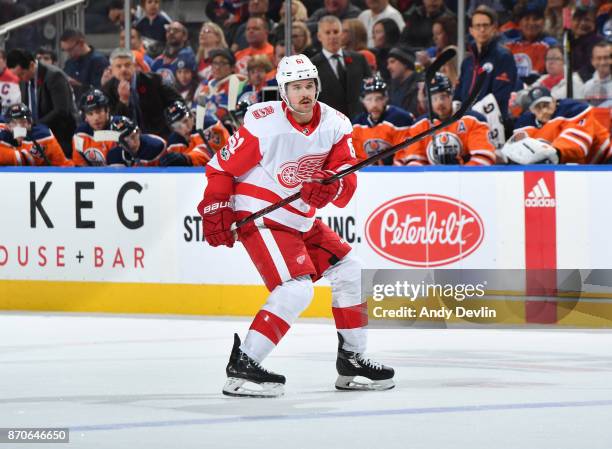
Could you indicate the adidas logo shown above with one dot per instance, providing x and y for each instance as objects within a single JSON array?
[{"x": 540, "y": 196}]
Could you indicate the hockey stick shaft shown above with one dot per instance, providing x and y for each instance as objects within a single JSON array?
[{"x": 383, "y": 154}]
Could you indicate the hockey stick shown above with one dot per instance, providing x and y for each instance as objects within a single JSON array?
[
  {"x": 431, "y": 71},
  {"x": 483, "y": 72}
]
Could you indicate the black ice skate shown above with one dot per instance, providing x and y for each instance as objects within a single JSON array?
[
  {"x": 246, "y": 377},
  {"x": 351, "y": 365}
]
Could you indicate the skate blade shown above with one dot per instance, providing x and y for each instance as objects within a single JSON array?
[
  {"x": 349, "y": 383},
  {"x": 244, "y": 388}
]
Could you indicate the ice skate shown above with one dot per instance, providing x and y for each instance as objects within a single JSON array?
[
  {"x": 246, "y": 377},
  {"x": 356, "y": 372}
]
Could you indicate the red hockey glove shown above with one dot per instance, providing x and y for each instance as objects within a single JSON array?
[
  {"x": 217, "y": 218},
  {"x": 316, "y": 194}
]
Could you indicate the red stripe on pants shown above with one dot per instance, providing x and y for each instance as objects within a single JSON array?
[
  {"x": 270, "y": 325},
  {"x": 351, "y": 317}
]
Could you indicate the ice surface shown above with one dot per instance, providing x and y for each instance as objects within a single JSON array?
[{"x": 155, "y": 382}]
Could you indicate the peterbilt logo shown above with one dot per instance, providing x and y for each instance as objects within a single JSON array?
[{"x": 424, "y": 230}]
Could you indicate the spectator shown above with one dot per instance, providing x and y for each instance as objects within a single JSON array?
[
  {"x": 135, "y": 149},
  {"x": 210, "y": 38},
  {"x": 382, "y": 125},
  {"x": 188, "y": 146},
  {"x": 47, "y": 93},
  {"x": 298, "y": 14},
  {"x": 24, "y": 143},
  {"x": 403, "y": 89},
  {"x": 46, "y": 55},
  {"x": 143, "y": 60},
  {"x": 256, "y": 8},
  {"x": 9, "y": 85},
  {"x": 86, "y": 150},
  {"x": 153, "y": 23},
  {"x": 116, "y": 12},
  {"x": 583, "y": 38},
  {"x": 142, "y": 96},
  {"x": 553, "y": 18},
  {"x": 486, "y": 48},
  {"x": 598, "y": 90},
  {"x": 379, "y": 9},
  {"x": 341, "y": 71},
  {"x": 464, "y": 142},
  {"x": 85, "y": 65},
  {"x": 355, "y": 38},
  {"x": 257, "y": 69},
  {"x": 528, "y": 44},
  {"x": 213, "y": 93},
  {"x": 302, "y": 40},
  {"x": 177, "y": 48},
  {"x": 444, "y": 33},
  {"x": 187, "y": 81},
  {"x": 385, "y": 35},
  {"x": 419, "y": 23},
  {"x": 554, "y": 80},
  {"x": 257, "y": 37},
  {"x": 342, "y": 9},
  {"x": 570, "y": 126}
]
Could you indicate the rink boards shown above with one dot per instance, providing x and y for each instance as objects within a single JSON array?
[{"x": 102, "y": 240}]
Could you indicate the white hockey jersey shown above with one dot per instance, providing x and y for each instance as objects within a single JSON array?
[{"x": 270, "y": 156}]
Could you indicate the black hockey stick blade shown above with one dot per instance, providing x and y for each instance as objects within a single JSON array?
[
  {"x": 431, "y": 71},
  {"x": 437, "y": 64},
  {"x": 476, "y": 88}
]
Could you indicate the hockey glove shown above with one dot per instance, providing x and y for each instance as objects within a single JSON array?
[
  {"x": 530, "y": 151},
  {"x": 315, "y": 193},
  {"x": 217, "y": 219},
  {"x": 174, "y": 159}
]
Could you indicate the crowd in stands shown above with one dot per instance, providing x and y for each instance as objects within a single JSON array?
[{"x": 175, "y": 99}]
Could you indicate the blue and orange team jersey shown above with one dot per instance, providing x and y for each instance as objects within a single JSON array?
[
  {"x": 38, "y": 148},
  {"x": 151, "y": 149},
  {"x": 573, "y": 130},
  {"x": 86, "y": 151},
  {"x": 530, "y": 57},
  {"x": 201, "y": 147},
  {"x": 471, "y": 132},
  {"x": 392, "y": 128}
]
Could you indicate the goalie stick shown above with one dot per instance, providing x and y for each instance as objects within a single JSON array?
[{"x": 476, "y": 88}]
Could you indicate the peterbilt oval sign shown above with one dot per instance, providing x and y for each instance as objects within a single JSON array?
[{"x": 424, "y": 230}]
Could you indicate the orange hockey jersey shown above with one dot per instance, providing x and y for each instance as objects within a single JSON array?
[
  {"x": 86, "y": 151},
  {"x": 392, "y": 128},
  {"x": 198, "y": 150},
  {"x": 39, "y": 147},
  {"x": 573, "y": 130},
  {"x": 471, "y": 134}
]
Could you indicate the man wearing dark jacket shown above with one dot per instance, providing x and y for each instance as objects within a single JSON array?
[
  {"x": 46, "y": 91},
  {"x": 419, "y": 23},
  {"x": 341, "y": 71},
  {"x": 404, "y": 86},
  {"x": 85, "y": 65},
  {"x": 486, "y": 48},
  {"x": 139, "y": 96}
]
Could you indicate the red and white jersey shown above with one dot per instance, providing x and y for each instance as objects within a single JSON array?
[
  {"x": 270, "y": 156},
  {"x": 9, "y": 88}
]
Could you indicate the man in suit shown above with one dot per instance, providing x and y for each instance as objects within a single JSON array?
[
  {"x": 341, "y": 71},
  {"x": 139, "y": 96},
  {"x": 46, "y": 91}
]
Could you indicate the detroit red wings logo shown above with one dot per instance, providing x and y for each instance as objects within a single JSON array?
[{"x": 291, "y": 174}]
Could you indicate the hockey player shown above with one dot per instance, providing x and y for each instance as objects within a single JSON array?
[
  {"x": 86, "y": 151},
  {"x": 135, "y": 149},
  {"x": 382, "y": 125},
  {"x": 465, "y": 142},
  {"x": 557, "y": 131},
  {"x": 285, "y": 147},
  {"x": 23, "y": 143},
  {"x": 187, "y": 146}
]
